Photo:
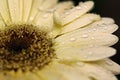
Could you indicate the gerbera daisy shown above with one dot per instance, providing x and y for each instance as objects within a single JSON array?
[{"x": 46, "y": 40}]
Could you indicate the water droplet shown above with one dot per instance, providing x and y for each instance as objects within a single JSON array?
[
  {"x": 109, "y": 63},
  {"x": 92, "y": 37},
  {"x": 84, "y": 36},
  {"x": 67, "y": 13},
  {"x": 85, "y": 6},
  {"x": 94, "y": 29},
  {"x": 72, "y": 39},
  {"x": 76, "y": 16},
  {"x": 51, "y": 10},
  {"x": 78, "y": 8},
  {"x": 92, "y": 75}
]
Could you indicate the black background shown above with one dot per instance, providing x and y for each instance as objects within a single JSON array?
[{"x": 108, "y": 8}]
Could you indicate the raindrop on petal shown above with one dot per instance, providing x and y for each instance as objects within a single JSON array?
[
  {"x": 109, "y": 63},
  {"x": 84, "y": 36},
  {"x": 78, "y": 8},
  {"x": 73, "y": 39}
]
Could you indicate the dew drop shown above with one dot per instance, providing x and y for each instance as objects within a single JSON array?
[
  {"x": 92, "y": 75},
  {"x": 109, "y": 63},
  {"x": 76, "y": 16},
  {"x": 72, "y": 39},
  {"x": 94, "y": 29},
  {"x": 78, "y": 8},
  {"x": 51, "y": 10},
  {"x": 84, "y": 36},
  {"x": 92, "y": 37},
  {"x": 85, "y": 6},
  {"x": 67, "y": 13}
]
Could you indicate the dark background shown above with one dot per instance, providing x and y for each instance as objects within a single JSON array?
[{"x": 108, "y": 8}]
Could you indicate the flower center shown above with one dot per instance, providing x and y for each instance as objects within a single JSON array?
[{"x": 24, "y": 47}]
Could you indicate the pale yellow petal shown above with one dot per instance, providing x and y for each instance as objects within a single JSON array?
[
  {"x": 34, "y": 9},
  {"x": 84, "y": 40},
  {"x": 9, "y": 75},
  {"x": 19, "y": 75},
  {"x": 14, "y": 6},
  {"x": 102, "y": 26},
  {"x": 31, "y": 76},
  {"x": 56, "y": 71},
  {"x": 48, "y": 73},
  {"x": 57, "y": 11},
  {"x": 76, "y": 12},
  {"x": 86, "y": 54},
  {"x": 27, "y": 4},
  {"x": 109, "y": 65},
  {"x": 47, "y": 4},
  {"x": 95, "y": 72},
  {"x": 45, "y": 21},
  {"x": 63, "y": 6},
  {"x": 108, "y": 20},
  {"x": 81, "y": 22},
  {"x": 21, "y": 10},
  {"x": 4, "y": 11},
  {"x": 60, "y": 9},
  {"x": 2, "y": 24}
]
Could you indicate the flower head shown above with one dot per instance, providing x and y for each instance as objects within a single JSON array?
[{"x": 46, "y": 40}]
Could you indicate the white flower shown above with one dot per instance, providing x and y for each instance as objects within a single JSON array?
[{"x": 46, "y": 40}]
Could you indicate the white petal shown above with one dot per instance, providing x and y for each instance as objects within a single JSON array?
[
  {"x": 34, "y": 9},
  {"x": 81, "y": 22},
  {"x": 14, "y": 6},
  {"x": 57, "y": 71},
  {"x": 9, "y": 75},
  {"x": 21, "y": 10},
  {"x": 83, "y": 39},
  {"x": 45, "y": 21},
  {"x": 2, "y": 24},
  {"x": 95, "y": 72},
  {"x": 76, "y": 12},
  {"x": 4, "y": 11},
  {"x": 27, "y": 4},
  {"x": 47, "y": 4},
  {"x": 86, "y": 54},
  {"x": 44, "y": 7},
  {"x": 102, "y": 26},
  {"x": 31, "y": 76},
  {"x": 19, "y": 75},
  {"x": 108, "y": 20},
  {"x": 110, "y": 65},
  {"x": 63, "y": 6},
  {"x": 59, "y": 9}
]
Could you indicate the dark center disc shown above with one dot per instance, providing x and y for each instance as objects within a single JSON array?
[{"x": 24, "y": 47}]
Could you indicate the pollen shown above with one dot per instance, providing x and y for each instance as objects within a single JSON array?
[{"x": 24, "y": 47}]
